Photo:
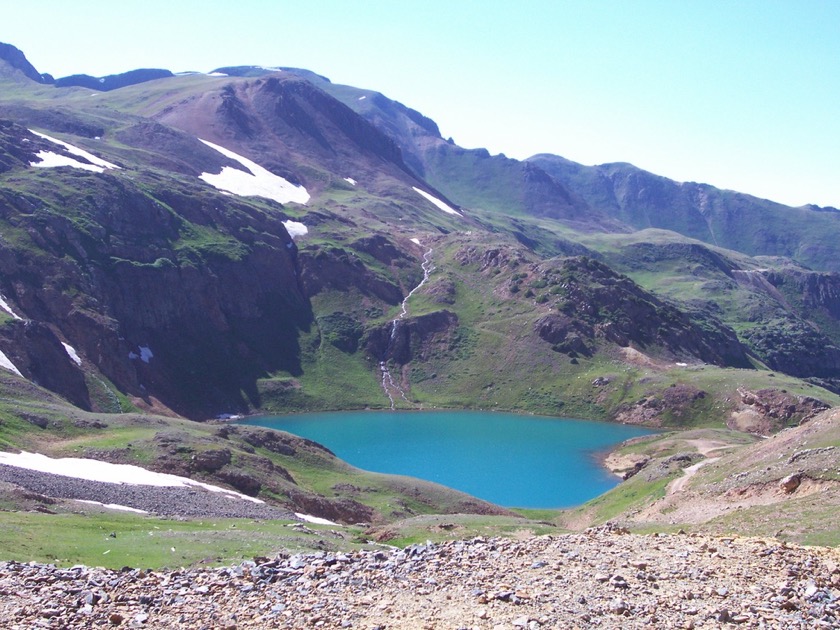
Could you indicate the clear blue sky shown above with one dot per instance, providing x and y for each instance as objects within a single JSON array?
[{"x": 741, "y": 94}]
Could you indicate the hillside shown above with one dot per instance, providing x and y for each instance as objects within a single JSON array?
[
  {"x": 182, "y": 248},
  {"x": 253, "y": 233},
  {"x": 723, "y": 482}
]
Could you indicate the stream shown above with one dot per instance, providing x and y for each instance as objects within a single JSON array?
[{"x": 390, "y": 386}]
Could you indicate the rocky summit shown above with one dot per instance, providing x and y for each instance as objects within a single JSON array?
[{"x": 603, "y": 578}]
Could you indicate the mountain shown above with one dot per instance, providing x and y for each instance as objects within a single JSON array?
[
  {"x": 615, "y": 197},
  {"x": 112, "y": 81},
  {"x": 247, "y": 239},
  {"x": 13, "y": 60},
  {"x": 180, "y": 248},
  {"x": 729, "y": 219}
]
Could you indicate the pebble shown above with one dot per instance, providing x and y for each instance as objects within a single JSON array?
[{"x": 481, "y": 583}]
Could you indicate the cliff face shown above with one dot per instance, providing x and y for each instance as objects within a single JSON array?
[
  {"x": 597, "y": 303},
  {"x": 170, "y": 298}
]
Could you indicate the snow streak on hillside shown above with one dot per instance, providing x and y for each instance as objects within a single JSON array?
[
  {"x": 295, "y": 228},
  {"x": 437, "y": 202},
  {"x": 71, "y": 352},
  {"x": 6, "y": 363},
  {"x": 4, "y": 305},
  {"x": 257, "y": 182},
  {"x": 95, "y": 470},
  {"x": 48, "y": 159}
]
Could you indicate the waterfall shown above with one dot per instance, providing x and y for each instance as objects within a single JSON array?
[{"x": 389, "y": 385}]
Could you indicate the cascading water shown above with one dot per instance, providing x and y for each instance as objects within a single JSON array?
[{"x": 389, "y": 385}]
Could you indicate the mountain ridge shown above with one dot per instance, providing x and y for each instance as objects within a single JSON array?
[{"x": 361, "y": 175}]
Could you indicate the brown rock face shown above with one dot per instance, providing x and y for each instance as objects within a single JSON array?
[
  {"x": 414, "y": 337},
  {"x": 596, "y": 303},
  {"x": 35, "y": 350},
  {"x": 170, "y": 293},
  {"x": 211, "y": 460},
  {"x": 767, "y": 410},
  {"x": 335, "y": 268}
]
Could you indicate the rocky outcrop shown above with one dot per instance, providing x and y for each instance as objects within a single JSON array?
[
  {"x": 795, "y": 347},
  {"x": 172, "y": 293},
  {"x": 381, "y": 248},
  {"x": 817, "y": 291},
  {"x": 34, "y": 349},
  {"x": 596, "y": 303},
  {"x": 333, "y": 268},
  {"x": 766, "y": 411},
  {"x": 565, "y": 334},
  {"x": 341, "y": 510},
  {"x": 211, "y": 460},
  {"x": 679, "y": 404},
  {"x": 413, "y": 337}
]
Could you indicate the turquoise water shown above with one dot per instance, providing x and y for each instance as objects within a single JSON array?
[{"x": 510, "y": 460}]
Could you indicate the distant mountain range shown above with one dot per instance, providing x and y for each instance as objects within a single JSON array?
[{"x": 248, "y": 239}]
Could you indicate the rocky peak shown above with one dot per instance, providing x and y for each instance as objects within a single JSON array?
[{"x": 16, "y": 60}]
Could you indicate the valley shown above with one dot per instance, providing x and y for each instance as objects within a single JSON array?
[{"x": 179, "y": 252}]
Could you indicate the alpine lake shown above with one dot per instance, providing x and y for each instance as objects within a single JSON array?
[{"x": 510, "y": 460}]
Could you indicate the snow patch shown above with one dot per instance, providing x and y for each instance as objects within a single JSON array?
[
  {"x": 437, "y": 202},
  {"x": 113, "y": 506},
  {"x": 95, "y": 470},
  {"x": 416, "y": 241},
  {"x": 217, "y": 74},
  {"x": 6, "y": 363},
  {"x": 5, "y": 306},
  {"x": 144, "y": 356},
  {"x": 361, "y": 98},
  {"x": 50, "y": 159},
  {"x": 317, "y": 520},
  {"x": 71, "y": 352},
  {"x": 295, "y": 228},
  {"x": 350, "y": 180},
  {"x": 258, "y": 182}
]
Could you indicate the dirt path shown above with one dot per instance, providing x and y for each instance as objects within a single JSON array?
[
  {"x": 705, "y": 446},
  {"x": 678, "y": 484}
]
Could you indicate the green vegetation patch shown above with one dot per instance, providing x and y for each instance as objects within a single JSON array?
[{"x": 115, "y": 540}]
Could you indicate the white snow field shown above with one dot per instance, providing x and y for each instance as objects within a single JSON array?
[
  {"x": 257, "y": 182},
  {"x": 95, "y": 470},
  {"x": 6, "y": 363},
  {"x": 295, "y": 228},
  {"x": 52, "y": 160},
  {"x": 71, "y": 352},
  {"x": 437, "y": 202}
]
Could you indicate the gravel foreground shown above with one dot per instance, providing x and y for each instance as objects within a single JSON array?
[{"x": 598, "y": 579}]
